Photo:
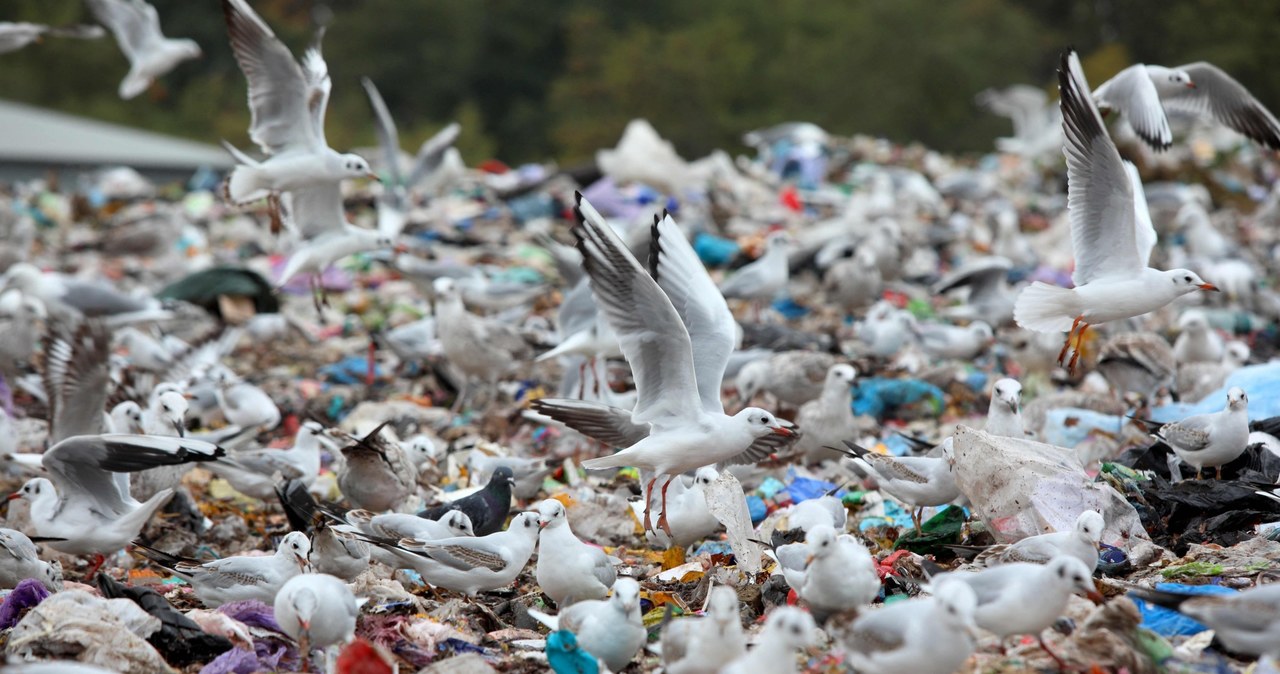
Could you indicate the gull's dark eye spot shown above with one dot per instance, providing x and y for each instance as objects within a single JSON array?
[{"x": 795, "y": 629}]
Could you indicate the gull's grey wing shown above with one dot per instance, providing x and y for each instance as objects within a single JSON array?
[
  {"x": 93, "y": 299},
  {"x": 981, "y": 274},
  {"x": 388, "y": 136},
  {"x": 1133, "y": 93},
  {"x": 316, "y": 210},
  {"x": 76, "y": 377},
  {"x": 1190, "y": 434},
  {"x": 1220, "y": 95},
  {"x": 134, "y": 23},
  {"x": 610, "y": 425},
  {"x": 17, "y": 545},
  {"x": 84, "y": 464},
  {"x": 431, "y": 153},
  {"x": 466, "y": 554},
  {"x": 894, "y": 469},
  {"x": 712, "y": 330}
]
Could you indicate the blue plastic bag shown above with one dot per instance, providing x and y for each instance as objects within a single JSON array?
[{"x": 1169, "y": 623}]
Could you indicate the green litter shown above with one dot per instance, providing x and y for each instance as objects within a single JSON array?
[
  {"x": 942, "y": 529},
  {"x": 1193, "y": 569}
]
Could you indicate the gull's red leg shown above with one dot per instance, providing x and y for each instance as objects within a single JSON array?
[
  {"x": 648, "y": 504},
  {"x": 1062, "y": 355}
]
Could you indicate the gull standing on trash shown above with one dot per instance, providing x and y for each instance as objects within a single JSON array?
[
  {"x": 677, "y": 375},
  {"x": 20, "y": 560},
  {"x": 828, "y": 420},
  {"x": 926, "y": 635},
  {"x": 241, "y": 577},
  {"x": 1211, "y": 439},
  {"x": 1247, "y": 622},
  {"x": 474, "y": 564},
  {"x": 1080, "y": 542},
  {"x": 764, "y": 279},
  {"x": 1111, "y": 242},
  {"x": 395, "y": 526},
  {"x": 1198, "y": 342},
  {"x": 786, "y": 630},
  {"x": 702, "y": 645},
  {"x": 1004, "y": 414},
  {"x": 688, "y": 513},
  {"x": 839, "y": 575},
  {"x": 335, "y": 549},
  {"x": 317, "y": 610},
  {"x": 136, "y": 26},
  {"x": 1022, "y": 598},
  {"x": 918, "y": 481},
  {"x": 480, "y": 347},
  {"x": 1142, "y": 93},
  {"x": 255, "y": 472},
  {"x": 569, "y": 570},
  {"x": 610, "y": 629}
]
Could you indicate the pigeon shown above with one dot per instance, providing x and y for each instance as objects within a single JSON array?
[
  {"x": 925, "y": 635},
  {"x": 569, "y": 570},
  {"x": 317, "y": 610},
  {"x": 702, "y": 645},
  {"x": 486, "y": 508},
  {"x": 786, "y": 630},
  {"x": 237, "y": 578},
  {"x": 609, "y": 629},
  {"x": 136, "y": 26},
  {"x": 1210, "y": 439},
  {"x": 474, "y": 564},
  {"x": 1080, "y": 542}
]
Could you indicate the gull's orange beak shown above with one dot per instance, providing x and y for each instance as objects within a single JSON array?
[
  {"x": 373, "y": 176},
  {"x": 1191, "y": 85},
  {"x": 15, "y": 496},
  {"x": 784, "y": 432},
  {"x": 1209, "y": 286},
  {"x": 306, "y": 624},
  {"x": 1096, "y": 597},
  {"x": 542, "y": 525},
  {"x": 808, "y": 560},
  {"x": 400, "y": 248}
]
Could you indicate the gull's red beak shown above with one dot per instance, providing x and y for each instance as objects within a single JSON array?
[
  {"x": 1191, "y": 85},
  {"x": 542, "y": 525},
  {"x": 305, "y": 624},
  {"x": 1096, "y": 597},
  {"x": 784, "y": 432},
  {"x": 15, "y": 496},
  {"x": 1209, "y": 286},
  {"x": 400, "y": 248}
]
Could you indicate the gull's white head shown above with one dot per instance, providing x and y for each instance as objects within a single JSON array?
[
  {"x": 982, "y": 331},
  {"x": 551, "y": 514},
  {"x": 705, "y": 476},
  {"x": 761, "y": 423},
  {"x": 305, "y": 604},
  {"x": 459, "y": 523},
  {"x": 421, "y": 449},
  {"x": 526, "y": 524},
  {"x": 127, "y": 417},
  {"x": 35, "y": 490},
  {"x": 841, "y": 375},
  {"x": 24, "y": 276},
  {"x": 186, "y": 48},
  {"x": 1237, "y": 400},
  {"x": 821, "y": 541},
  {"x": 1170, "y": 81},
  {"x": 1069, "y": 572},
  {"x": 1193, "y": 320},
  {"x": 626, "y": 594},
  {"x": 171, "y": 408},
  {"x": 956, "y": 603},
  {"x": 1237, "y": 353},
  {"x": 445, "y": 287},
  {"x": 295, "y": 545},
  {"x": 1090, "y": 526},
  {"x": 1008, "y": 392},
  {"x": 1187, "y": 281},
  {"x": 354, "y": 166},
  {"x": 51, "y": 575},
  {"x": 722, "y": 605},
  {"x": 791, "y": 626}
]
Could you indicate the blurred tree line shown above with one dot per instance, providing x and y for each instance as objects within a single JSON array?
[{"x": 538, "y": 79}]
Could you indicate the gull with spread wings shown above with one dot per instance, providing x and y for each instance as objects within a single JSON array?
[
  {"x": 1111, "y": 233},
  {"x": 677, "y": 333},
  {"x": 136, "y": 26}
]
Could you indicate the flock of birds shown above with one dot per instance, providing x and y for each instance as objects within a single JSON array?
[{"x": 137, "y": 417}]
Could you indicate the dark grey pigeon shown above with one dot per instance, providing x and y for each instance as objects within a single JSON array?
[{"x": 487, "y": 508}]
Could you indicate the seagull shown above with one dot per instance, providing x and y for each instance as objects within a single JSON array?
[
  {"x": 1081, "y": 542},
  {"x": 853, "y": 283},
  {"x": 287, "y": 101},
  {"x": 688, "y": 514},
  {"x": 474, "y": 564},
  {"x": 376, "y": 474},
  {"x": 1247, "y": 622},
  {"x": 926, "y": 635},
  {"x": 430, "y": 153},
  {"x": 951, "y": 342},
  {"x": 395, "y": 526},
  {"x": 829, "y": 418},
  {"x": 255, "y": 472},
  {"x": 1196, "y": 380},
  {"x": 677, "y": 375},
  {"x": 241, "y": 577},
  {"x": 609, "y": 629},
  {"x": 335, "y": 549},
  {"x": 487, "y": 509},
  {"x": 480, "y": 347},
  {"x": 1111, "y": 242},
  {"x": 569, "y": 570},
  {"x": 16, "y": 35},
  {"x": 1211, "y": 439},
  {"x": 793, "y": 377},
  {"x": 1143, "y": 93},
  {"x": 70, "y": 299},
  {"x": 839, "y": 575},
  {"x": 918, "y": 481},
  {"x": 765, "y": 278},
  {"x": 1022, "y": 598},
  {"x": 1004, "y": 415},
  {"x": 244, "y": 404},
  {"x": 1198, "y": 342},
  {"x": 989, "y": 298},
  {"x": 20, "y": 560},
  {"x": 85, "y": 501},
  {"x": 702, "y": 645},
  {"x": 136, "y": 26},
  {"x": 1137, "y": 362},
  {"x": 786, "y": 630},
  {"x": 317, "y": 610}
]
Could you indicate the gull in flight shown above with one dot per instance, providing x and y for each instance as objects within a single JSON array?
[
  {"x": 1111, "y": 233},
  {"x": 136, "y": 26},
  {"x": 1143, "y": 93},
  {"x": 676, "y": 332},
  {"x": 16, "y": 35}
]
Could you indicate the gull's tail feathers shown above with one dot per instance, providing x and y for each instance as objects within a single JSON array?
[{"x": 1045, "y": 308}]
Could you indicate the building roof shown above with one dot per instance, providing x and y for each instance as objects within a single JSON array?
[{"x": 33, "y": 135}]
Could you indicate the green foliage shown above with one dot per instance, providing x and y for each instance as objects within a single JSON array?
[{"x": 538, "y": 79}]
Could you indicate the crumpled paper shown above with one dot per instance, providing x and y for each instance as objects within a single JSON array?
[{"x": 728, "y": 504}]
